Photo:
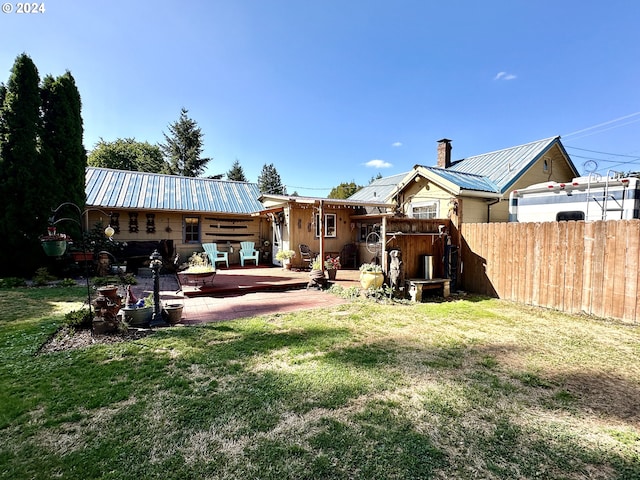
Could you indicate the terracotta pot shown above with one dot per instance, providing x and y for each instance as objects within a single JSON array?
[
  {"x": 332, "y": 273},
  {"x": 108, "y": 291},
  {"x": 82, "y": 256}
]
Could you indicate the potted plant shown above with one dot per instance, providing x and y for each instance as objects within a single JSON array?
[
  {"x": 53, "y": 243},
  {"x": 199, "y": 271},
  {"x": 331, "y": 265},
  {"x": 371, "y": 276},
  {"x": 316, "y": 275},
  {"x": 285, "y": 257},
  {"x": 139, "y": 313}
]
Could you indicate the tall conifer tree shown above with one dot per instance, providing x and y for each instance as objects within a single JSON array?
[
  {"x": 236, "y": 173},
  {"x": 269, "y": 181},
  {"x": 183, "y": 147},
  {"x": 62, "y": 137},
  {"x": 25, "y": 180}
]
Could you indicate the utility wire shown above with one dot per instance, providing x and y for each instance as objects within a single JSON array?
[{"x": 604, "y": 124}]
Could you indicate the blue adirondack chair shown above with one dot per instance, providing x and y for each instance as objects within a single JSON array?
[
  {"x": 215, "y": 255},
  {"x": 248, "y": 252}
]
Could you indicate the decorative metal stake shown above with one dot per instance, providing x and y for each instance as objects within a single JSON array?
[{"x": 156, "y": 264}]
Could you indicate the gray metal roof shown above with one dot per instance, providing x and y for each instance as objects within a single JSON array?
[
  {"x": 504, "y": 167},
  {"x": 466, "y": 181},
  {"x": 379, "y": 190},
  {"x": 493, "y": 172},
  {"x": 151, "y": 191}
]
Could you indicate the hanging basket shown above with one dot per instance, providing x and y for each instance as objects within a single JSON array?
[{"x": 54, "y": 248}]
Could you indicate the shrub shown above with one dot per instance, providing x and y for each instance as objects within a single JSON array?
[
  {"x": 68, "y": 282},
  {"x": 370, "y": 267},
  {"x": 12, "y": 282},
  {"x": 78, "y": 319},
  {"x": 42, "y": 277}
]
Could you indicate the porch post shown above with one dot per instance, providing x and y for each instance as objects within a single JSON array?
[
  {"x": 321, "y": 222},
  {"x": 383, "y": 239}
]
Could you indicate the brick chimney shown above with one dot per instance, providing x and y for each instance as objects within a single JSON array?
[{"x": 444, "y": 153}]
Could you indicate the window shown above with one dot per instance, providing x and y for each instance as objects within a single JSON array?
[
  {"x": 191, "y": 230},
  {"x": 567, "y": 216},
  {"x": 329, "y": 225},
  {"x": 424, "y": 209}
]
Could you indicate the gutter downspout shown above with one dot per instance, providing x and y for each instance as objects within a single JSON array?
[{"x": 489, "y": 205}]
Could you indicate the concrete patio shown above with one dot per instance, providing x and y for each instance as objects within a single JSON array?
[{"x": 240, "y": 292}]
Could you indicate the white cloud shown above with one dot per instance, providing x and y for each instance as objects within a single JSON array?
[
  {"x": 378, "y": 164},
  {"x": 505, "y": 76},
  {"x": 396, "y": 144}
]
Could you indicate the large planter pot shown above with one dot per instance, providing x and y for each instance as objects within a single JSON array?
[
  {"x": 54, "y": 248},
  {"x": 332, "y": 274},
  {"x": 137, "y": 317},
  {"x": 174, "y": 312},
  {"x": 204, "y": 279},
  {"x": 82, "y": 256},
  {"x": 108, "y": 291},
  {"x": 371, "y": 280}
]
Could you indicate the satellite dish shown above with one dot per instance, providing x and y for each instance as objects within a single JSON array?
[{"x": 590, "y": 166}]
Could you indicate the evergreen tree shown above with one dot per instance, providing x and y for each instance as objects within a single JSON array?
[
  {"x": 127, "y": 154},
  {"x": 25, "y": 176},
  {"x": 344, "y": 190},
  {"x": 269, "y": 181},
  {"x": 62, "y": 138},
  {"x": 183, "y": 147},
  {"x": 236, "y": 173},
  {"x": 377, "y": 177}
]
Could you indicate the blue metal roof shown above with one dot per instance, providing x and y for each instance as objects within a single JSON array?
[
  {"x": 151, "y": 191},
  {"x": 504, "y": 167},
  {"x": 466, "y": 181},
  {"x": 379, "y": 190}
]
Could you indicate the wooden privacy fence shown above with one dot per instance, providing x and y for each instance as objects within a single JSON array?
[{"x": 576, "y": 267}]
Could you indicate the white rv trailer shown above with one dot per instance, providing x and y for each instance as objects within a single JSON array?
[{"x": 584, "y": 198}]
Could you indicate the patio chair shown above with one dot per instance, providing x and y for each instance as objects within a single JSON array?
[
  {"x": 215, "y": 255},
  {"x": 248, "y": 252},
  {"x": 306, "y": 254}
]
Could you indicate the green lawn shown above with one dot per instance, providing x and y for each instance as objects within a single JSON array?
[{"x": 467, "y": 389}]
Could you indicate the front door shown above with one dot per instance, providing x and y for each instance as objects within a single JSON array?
[{"x": 276, "y": 243}]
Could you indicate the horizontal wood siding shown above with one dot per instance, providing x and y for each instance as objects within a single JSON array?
[
  {"x": 226, "y": 230},
  {"x": 575, "y": 267}
]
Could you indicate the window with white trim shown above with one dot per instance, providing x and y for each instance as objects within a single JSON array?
[
  {"x": 329, "y": 225},
  {"x": 425, "y": 210},
  {"x": 191, "y": 229}
]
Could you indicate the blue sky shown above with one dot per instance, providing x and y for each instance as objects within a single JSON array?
[{"x": 338, "y": 91}]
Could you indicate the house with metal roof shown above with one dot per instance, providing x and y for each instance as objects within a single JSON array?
[
  {"x": 146, "y": 208},
  {"x": 327, "y": 226},
  {"x": 473, "y": 189}
]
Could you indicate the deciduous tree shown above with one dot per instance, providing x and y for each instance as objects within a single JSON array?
[
  {"x": 344, "y": 190},
  {"x": 128, "y": 154}
]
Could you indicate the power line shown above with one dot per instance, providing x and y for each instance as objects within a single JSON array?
[
  {"x": 604, "y": 124},
  {"x": 603, "y": 153}
]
